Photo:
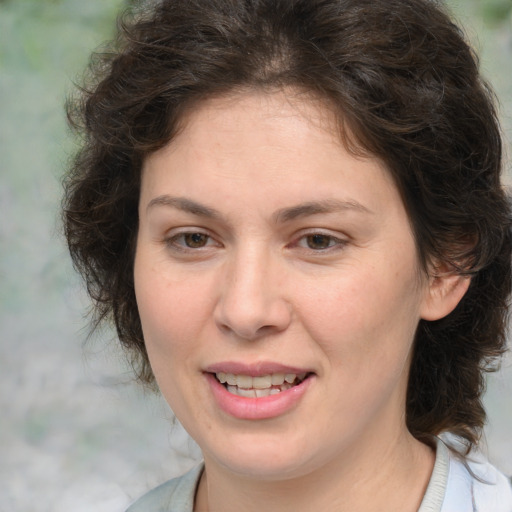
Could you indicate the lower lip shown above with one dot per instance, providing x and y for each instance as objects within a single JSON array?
[{"x": 257, "y": 408}]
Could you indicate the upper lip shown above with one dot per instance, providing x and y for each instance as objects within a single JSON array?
[{"x": 254, "y": 369}]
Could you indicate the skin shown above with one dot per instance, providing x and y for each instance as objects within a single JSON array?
[{"x": 242, "y": 274}]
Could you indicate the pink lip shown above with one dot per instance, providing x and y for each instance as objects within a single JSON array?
[
  {"x": 255, "y": 369},
  {"x": 256, "y": 408}
]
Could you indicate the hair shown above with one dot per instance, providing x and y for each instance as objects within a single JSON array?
[{"x": 401, "y": 79}]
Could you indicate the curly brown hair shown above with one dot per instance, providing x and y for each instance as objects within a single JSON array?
[{"x": 398, "y": 73}]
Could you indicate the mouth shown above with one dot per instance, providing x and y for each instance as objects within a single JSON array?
[
  {"x": 258, "y": 391},
  {"x": 261, "y": 386}
]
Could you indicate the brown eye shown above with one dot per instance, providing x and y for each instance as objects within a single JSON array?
[
  {"x": 319, "y": 241},
  {"x": 195, "y": 240}
]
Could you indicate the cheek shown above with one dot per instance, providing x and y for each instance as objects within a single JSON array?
[
  {"x": 176, "y": 313},
  {"x": 169, "y": 320},
  {"x": 168, "y": 313},
  {"x": 364, "y": 317},
  {"x": 160, "y": 305}
]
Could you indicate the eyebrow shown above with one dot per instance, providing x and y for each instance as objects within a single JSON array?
[
  {"x": 185, "y": 205},
  {"x": 281, "y": 216},
  {"x": 319, "y": 207}
]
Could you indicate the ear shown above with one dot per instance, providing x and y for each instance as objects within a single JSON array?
[{"x": 445, "y": 290}]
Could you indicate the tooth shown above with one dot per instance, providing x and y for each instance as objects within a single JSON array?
[
  {"x": 233, "y": 390},
  {"x": 275, "y": 391},
  {"x": 277, "y": 379},
  {"x": 247, "y": 393},
  {"x": 262, "y": 382},
  {"x": 262, "y": 392},
  {"x": 244, "y": 381}
]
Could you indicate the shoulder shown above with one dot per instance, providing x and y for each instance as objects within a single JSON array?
[
  {"x": 176, "y": 495},
  {"x": 476, "y": 485},
  {"x": 465, "y": 484}
]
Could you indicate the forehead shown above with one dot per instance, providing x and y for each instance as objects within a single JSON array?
[
  {"x": 297, "y": 116},
  {"x": 231, "y": 113},
  {"x": 271, "y": 151}
]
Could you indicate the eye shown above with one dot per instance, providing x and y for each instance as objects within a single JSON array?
[
  {"x": 190, "y": 240},
  {"x": 195, "y": 240},
  {"x": 319, "y": 241}
]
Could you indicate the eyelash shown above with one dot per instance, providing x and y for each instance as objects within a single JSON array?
[
  {"x": 182, "y": 241},
  {"x": 333, "y": 242},
  {"x": 178, "y": 241}
]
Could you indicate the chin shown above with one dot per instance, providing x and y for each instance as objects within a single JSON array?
[{"x": 263, "y": 459}]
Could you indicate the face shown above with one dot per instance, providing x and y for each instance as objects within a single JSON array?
[{"x": 278, "y": 287}]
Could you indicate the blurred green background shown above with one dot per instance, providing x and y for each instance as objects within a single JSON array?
[{"x": 75, "y": 434}]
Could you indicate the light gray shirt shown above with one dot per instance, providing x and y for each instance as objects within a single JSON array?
[{"x": 456, "y": 485}]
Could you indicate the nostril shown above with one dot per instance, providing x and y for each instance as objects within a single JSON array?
[
  {"x": 247, "y": 331},
  {"x": 250, "y": 306}
]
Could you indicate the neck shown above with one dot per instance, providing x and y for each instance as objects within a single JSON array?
[{"x": 372, "y": 477}]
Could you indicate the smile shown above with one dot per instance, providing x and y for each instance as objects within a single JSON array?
[
  {"x": 260, "y": 391},
  {"x": 261, "y": 386}
]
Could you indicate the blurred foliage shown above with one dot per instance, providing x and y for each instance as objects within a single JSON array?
[
  {"x": 496, "y": 11},
  {"x": 41, "y": 35}
]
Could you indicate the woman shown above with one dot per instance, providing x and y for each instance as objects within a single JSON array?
[{"x": 292, "y": 211}]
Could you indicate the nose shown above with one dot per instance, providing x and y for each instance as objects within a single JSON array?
[{"x": 251, "y": 301}]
